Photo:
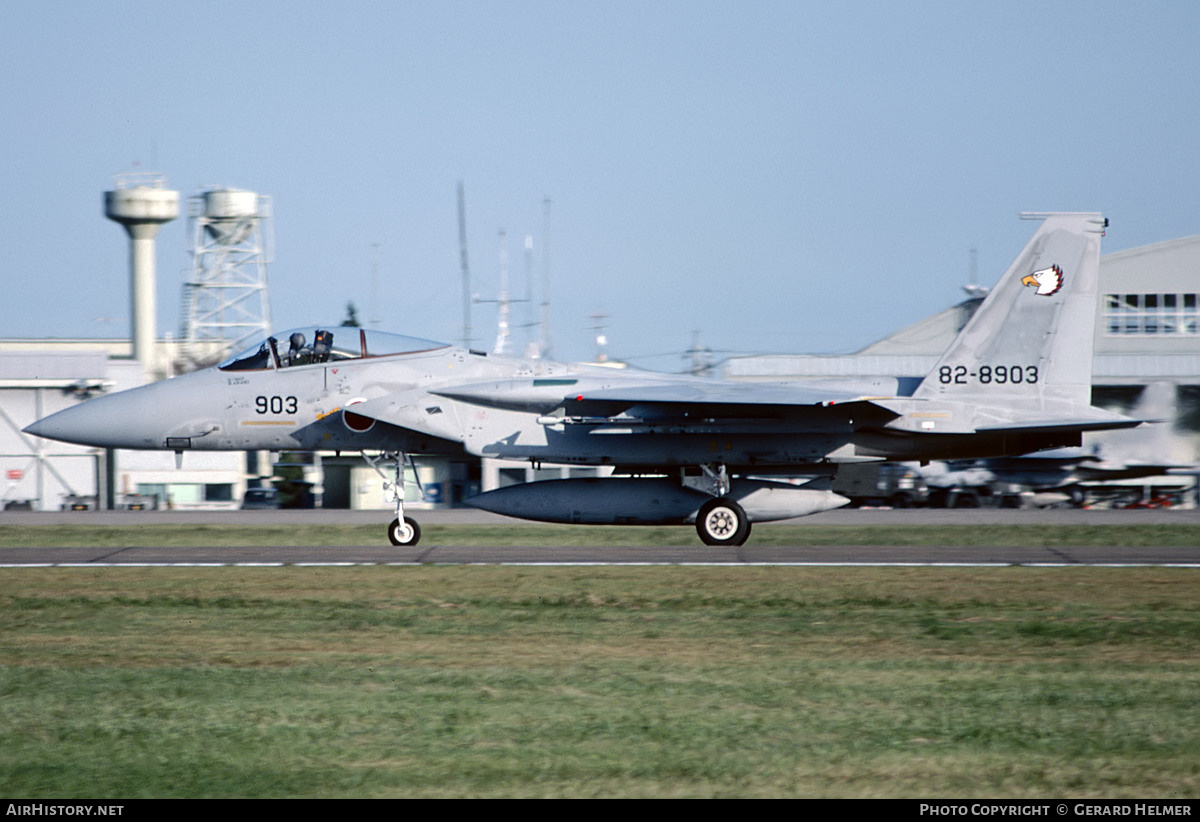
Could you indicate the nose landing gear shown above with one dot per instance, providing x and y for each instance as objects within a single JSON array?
[{"x": 402, "y": 530}]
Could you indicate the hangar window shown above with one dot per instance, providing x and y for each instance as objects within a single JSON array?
[{"x": 1145, "y": 314}]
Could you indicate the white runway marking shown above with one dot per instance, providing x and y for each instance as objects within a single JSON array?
[{"x": 598, "y": 564}]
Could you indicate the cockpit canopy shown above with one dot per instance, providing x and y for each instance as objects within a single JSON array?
[{"x": 318, "y": 344}]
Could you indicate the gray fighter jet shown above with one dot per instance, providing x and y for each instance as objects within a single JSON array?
[{"x": 682, "y": 449}]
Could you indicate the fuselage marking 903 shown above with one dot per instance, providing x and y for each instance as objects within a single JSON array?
[{"x": 276, "y": 405}]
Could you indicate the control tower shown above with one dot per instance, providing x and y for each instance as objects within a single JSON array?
[
  {"x": 142, "y": 203},
  {"x": 225, "y": 301}
]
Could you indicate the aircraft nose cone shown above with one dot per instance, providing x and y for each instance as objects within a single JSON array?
[
  {"x": 66, "y": 426},
  {"x": 136, "y": 418},
  {"x": 103, "y": 422},
  {"x": 39, "y": 428}
]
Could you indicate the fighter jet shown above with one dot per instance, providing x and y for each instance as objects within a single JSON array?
[{"x": 683, "y": 450}]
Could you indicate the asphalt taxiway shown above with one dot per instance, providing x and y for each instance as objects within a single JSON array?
[{"x": 600, "y": 554}]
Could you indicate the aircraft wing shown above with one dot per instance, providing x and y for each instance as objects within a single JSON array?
[
  {"x": 710, "y": 403},
  {"x": 593, "y": 396},
  {"x": 716, "y": 394}
]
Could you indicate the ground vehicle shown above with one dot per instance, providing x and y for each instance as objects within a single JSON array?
[
  {"x": 896, "y": 485},
  {"x": 260, "y": 498}
]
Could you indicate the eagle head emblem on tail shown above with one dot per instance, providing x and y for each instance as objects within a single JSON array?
[{"x": 1047, "y": 281}]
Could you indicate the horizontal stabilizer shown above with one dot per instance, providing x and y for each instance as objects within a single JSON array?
[{"x": 1078, "y": 424}]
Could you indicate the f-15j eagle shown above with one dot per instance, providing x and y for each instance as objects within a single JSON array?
[{"x": 682, "y": 449}]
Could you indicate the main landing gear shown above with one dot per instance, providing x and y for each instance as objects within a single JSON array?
[
  {"x": 721, "y": 521},
  {"x": 402, "y": 530}
]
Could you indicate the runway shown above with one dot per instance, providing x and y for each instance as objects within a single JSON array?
[
  {"x": 828, "y": 556},
  {"x": 599, "y": 554}
]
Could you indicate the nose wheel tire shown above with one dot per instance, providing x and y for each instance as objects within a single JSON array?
[
  {"x": 722, "y": 522},
  {"x": 404, "y": 533}
]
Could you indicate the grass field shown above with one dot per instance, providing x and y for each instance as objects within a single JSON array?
[{"x": 436, "y": 681}]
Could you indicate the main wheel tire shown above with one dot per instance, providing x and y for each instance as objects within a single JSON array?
[
  {"x": 722, "y": 522},
  {"x": 406, "y": 533}
]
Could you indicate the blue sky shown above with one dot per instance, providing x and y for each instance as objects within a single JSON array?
[{"x": 778, "y": 176}]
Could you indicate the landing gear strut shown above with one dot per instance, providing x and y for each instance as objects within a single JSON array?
[{"x": 402, "y": 530}]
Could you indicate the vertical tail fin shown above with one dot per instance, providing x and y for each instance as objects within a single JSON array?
[{"x": 1032, "y": 338}]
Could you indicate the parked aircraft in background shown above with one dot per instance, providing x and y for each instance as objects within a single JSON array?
[
  {"x": 1049, "y": 477},
  {"x": 683, "y": 449},
  {"x": 1150, "y": 451}
]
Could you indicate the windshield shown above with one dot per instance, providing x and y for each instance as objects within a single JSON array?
[{"x": 306, "y": 346}]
